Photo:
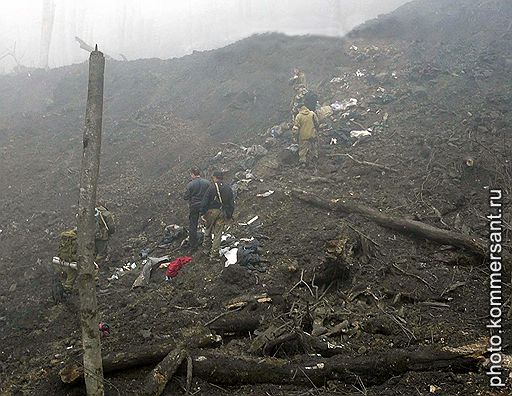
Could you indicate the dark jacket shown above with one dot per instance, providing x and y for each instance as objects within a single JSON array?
[
  {"x": 211, "y": 200},
  {"x": 195, "y": 192}
]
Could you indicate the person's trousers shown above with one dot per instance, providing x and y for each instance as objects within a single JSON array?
[
  {"x": 101, "y": 247},
  {"x": 214, "y": 225},
  {"x": 308, "y": 150},
  {"x": 71, "y": 275},
  {"x": 67, "y": 275},
  {"x": 193, "y": 220}
]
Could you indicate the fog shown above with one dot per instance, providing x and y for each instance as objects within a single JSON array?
[{"x": 162, "y": 28}]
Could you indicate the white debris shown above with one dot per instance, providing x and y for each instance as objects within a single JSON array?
[
  {"x": 315, "y": 367},
  {"x": 231, "y": 256},
  {"x": 360, "y": 134},
  {"x": 266, "y": 194},
  {"x": 253, "y": 220},
  {"x": 344, "y": 105},
  {"x": 225, "y": 237},
  {"x": 250, "y": 221}
]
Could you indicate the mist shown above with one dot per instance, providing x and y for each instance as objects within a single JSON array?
[{"x": 134, "y": 29}]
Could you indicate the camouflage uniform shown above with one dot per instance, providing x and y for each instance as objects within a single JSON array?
[
  {"x": 299, "y": 78},
  {"x": 298, "y": 100},
  {"x": 105, "y": 227},
  {"x": 67, "y": 253}
]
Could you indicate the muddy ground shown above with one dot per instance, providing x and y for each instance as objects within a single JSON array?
[{"x": 436, "y": 90}]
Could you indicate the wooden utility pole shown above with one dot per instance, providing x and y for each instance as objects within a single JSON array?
[{"x": 89, "y": 172}]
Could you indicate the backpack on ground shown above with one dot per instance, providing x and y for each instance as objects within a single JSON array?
[{"x": 68, "y": 246}]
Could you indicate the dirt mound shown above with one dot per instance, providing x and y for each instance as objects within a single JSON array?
[{"x": 335, "y": 285}]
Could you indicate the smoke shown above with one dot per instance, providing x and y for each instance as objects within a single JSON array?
[{"x": 161, "y": 28}]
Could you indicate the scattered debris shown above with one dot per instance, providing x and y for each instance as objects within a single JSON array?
[
  {"x": 175, "y": 266},
  {"x": 172, "y": 233},
  {"x": 104, "y": 329},
  {"x": 266, "y": 194},
  {"x": 148, "y": 266},
  {"x": 257, "y": 151},
  {"x": 255, "y": 218},
  {"x": 121, "y": 271},
  {"x": 344, "y": 105},
  {"x": 230, "y": 254},
  {"x": 242, "y": 301},
  {"x": 360, "y": 134}
]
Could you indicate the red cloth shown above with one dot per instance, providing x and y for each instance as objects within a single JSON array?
[{"x": 176, "y": 265}]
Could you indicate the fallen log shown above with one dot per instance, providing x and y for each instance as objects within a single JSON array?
[
  {"x": 245, "y": 300},
  {"x": 372, "y": 369},
  {"x": 367, "y": 163},
  {"x": 158, "y": 378},
  {"x": 237, "y": 322},
  {"x": 405, "y": 226},
  {"x": 269, "y": 342},
  {"x": 201, "y": 337},
  {"x": 156, "y": 381}
]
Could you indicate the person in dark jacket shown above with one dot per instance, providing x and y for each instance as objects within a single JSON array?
[
  {"x": 194, "y": 194},
  {"x": 217, "y": 210}
]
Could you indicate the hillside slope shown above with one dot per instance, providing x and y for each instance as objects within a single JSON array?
[{"x": 433, "y": 95}]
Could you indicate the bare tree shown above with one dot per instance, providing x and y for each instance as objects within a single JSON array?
[
  {"x": 12, "y": 54},
  {"x": 46, "y": 32}
]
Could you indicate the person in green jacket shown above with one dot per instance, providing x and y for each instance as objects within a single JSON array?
[{"x": 305, "y": 129}]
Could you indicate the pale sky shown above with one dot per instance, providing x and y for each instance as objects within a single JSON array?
[{"x": 167, "y": 28}]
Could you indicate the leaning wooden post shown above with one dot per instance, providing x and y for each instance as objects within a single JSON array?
[{"x": 86, "y": 227}]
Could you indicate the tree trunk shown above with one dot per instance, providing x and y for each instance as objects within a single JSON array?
[
  {"x": 196, "y": 337},
  {"x": 46, "y": 32},
  {"x": 408, "y": 227},
  {"x": 86, "y": 227},
  {"x": 230, "y": 370},
  {"x": 238, "y": 322},
  {"x": 372, "y": 369},
  {"x": 157, "y": 380}
]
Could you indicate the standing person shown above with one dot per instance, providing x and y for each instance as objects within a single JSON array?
[
  {"x": 217, "y": 210},
  {"x": 305, "y": 125},
  {"x": 68, "y": 254},
  {"x": 298, "y": 78},
  {"x": 194, "y": 193},
  {"x": 298, "y": 100},
  {"x": 105, "y": 227}
]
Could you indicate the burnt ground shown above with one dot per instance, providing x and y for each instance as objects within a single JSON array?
[{"x": 442, "y": 74}]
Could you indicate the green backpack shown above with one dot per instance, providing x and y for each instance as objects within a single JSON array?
[{"x": 68, "y": 246}]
